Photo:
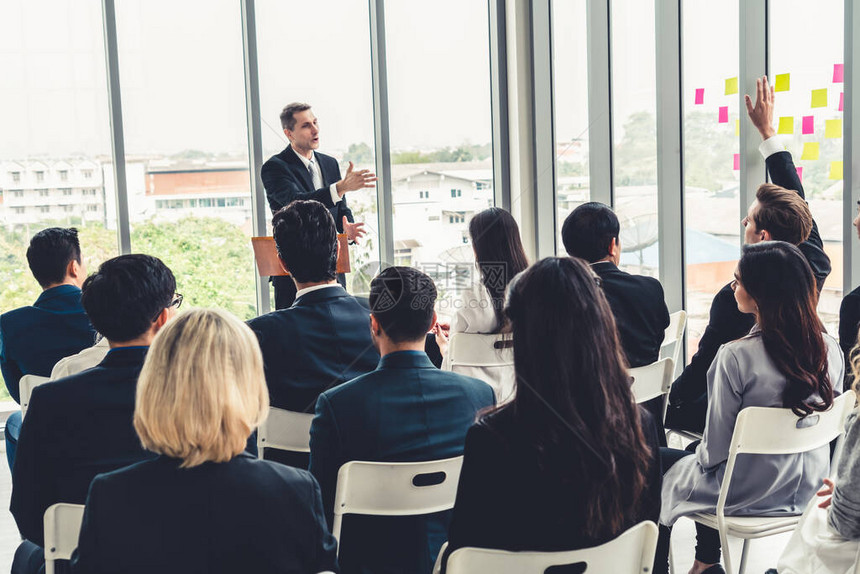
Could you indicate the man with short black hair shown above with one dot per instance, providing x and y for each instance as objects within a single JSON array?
[
  {"x": 80, "y": 426},
  {"x": 406, "y": 410},
  {"x": 34, "y": 338},
  {"x": 301, "y": 172},
  {"x": 322, "y": 340}
]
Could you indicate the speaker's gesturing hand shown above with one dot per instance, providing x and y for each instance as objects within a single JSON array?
[
  {"x": 354, "y": 180},
  {"x": 353, "y": 230}
]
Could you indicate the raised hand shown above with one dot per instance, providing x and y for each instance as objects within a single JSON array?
[
  {"x": 354, "y": 180},
  {"x": 826, "y": 490},
  {"x": 761, "y": 115},
  {"x": 353, "y": 230}
]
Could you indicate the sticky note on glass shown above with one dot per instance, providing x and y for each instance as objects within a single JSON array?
[
  {"x": 700, "y": 96},
  {"x": 810, "y": 151},
  {"x": 737, "y": 162},
  {"x": 724, "y": 114},
  {"x": 731, "y": 86},
  {"x": 808, "y": 125},
  {"x": 786, "y": 125},
  {"x": 835, "y": 170},
  {"x": 799, "y": 171},
  {"x": 783, "y": 83},
  {"x": 737, "y": 127},
  {"x": 833, "y": 128},
  {"x": 841, "y": 101},
  {"x": 819, "y": 98},
  {"x": 838, "y": 74}
]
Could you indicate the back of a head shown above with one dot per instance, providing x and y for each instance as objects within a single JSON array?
[
  {"x": 780, "y": 281},
  {"x": 50, "y": 252},
  {"x": 783, "y": 213},
  {"x": 402, "y": 300},
  {"x": 202, "y": 389},
  {"x": 573, "y": 397},
  {"x": 588, "y": 231},
  {"x": 306, "y": 237},
  {"x": 126, "y": 294},
  {"x": 499, "y": 253}
]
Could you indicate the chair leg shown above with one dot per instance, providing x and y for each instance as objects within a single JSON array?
[
  {"x": 744, "y": 555},
  {"x": 671, "y": 559},
  {"x": 727, "y": 558}
]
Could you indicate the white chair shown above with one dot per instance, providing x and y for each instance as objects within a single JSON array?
[
  {"x": 489, "y": 358},
  {"x": 285, "y": 430},
  {"x": 25, "y": 388},
  {"x": 62, "y": 528},
  {"x": 673, "y": 339},
  {"x": 761, "y": 430},
  {"x": 652, "y": 381},
  {"x": 392, "y": 489},
  {"x": 632, "y": 552}
]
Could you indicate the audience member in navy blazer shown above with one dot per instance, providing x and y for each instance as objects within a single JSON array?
[
  {"x": 301, "y": 172},
  {"x": 203, "y": 506},
  {"x": 33, "y": 339},
  {"x": 323, "y": 340},
  {"x": 81, "y": 425},
  {"x": 406, "y": 410}
]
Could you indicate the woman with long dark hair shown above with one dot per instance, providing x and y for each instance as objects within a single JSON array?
[
  {"x": 786, "y": 361},
  {"x": 499, "y": 256},
  {"x": 568, "y": 463}
]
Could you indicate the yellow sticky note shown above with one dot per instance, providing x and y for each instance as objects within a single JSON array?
[
  {"x": 833, "y": 128},
  {"x": 731, "y": 86},
  {"x": 835, "y": 170},
  {"x": 819, "y": 98},
  {"x": 810, "y": 150},
  {"x": 786, "y": 125},
  {"x": 783, "y": 83},
  {"x": 737, "y": 127}
]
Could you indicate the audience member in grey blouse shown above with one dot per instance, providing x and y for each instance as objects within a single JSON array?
[{"x": 785, "y": 361}]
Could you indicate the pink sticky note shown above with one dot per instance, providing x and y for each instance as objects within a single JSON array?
[
  {"x": 700, "y": 96},
  {"x": 724, "y": 114},
  {"x": 799, "y": 173},
  {"x": 808, "y": 125},
  {"x": 841, "y": 100},
  {"x": 838, "y": 73},
  {"x": 737, "y": 162}
]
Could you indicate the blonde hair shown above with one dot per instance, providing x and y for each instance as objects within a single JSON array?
[{"x": 202, "y": 389}]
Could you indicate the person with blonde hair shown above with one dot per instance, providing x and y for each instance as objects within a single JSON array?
[{"x": 203, "y": 505}]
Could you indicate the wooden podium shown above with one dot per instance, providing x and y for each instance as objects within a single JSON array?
[{"x": 269, "y": 264}]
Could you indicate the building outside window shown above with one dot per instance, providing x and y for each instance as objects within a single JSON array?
[{"x": 64, "y": 175}]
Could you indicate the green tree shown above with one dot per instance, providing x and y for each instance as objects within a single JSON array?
[{"x": 359, "y": 154}]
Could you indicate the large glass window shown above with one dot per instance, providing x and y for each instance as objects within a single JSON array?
[
  {"x": 711, "y": 122},
  {"x": 329, "y": 68},
  {"x": 439, "y": 98},
  {"x": 55, "y": 145},
  {"x": 808, "y": 111},
  {"x": 186, "y": 144}
]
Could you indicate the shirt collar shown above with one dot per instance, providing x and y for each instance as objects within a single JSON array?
[
  {"x": 305, "y": 161},
  {"x": 307, "y": 290}
]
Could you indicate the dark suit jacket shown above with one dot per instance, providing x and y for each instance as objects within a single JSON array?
[
  {"x": 33, "y": 339},
  {"x": 75, "y": 428},
  {"x": 245, "y": 515},
  {"x": 506, "y": 500},
  {"x": 688, "y": 398},
  {"x": 286, "y": 179},
  {"x": 640, "y": 311},
  {"x": 405, "y": 411}
]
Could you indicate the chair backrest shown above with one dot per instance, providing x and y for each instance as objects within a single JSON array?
[
  {"x": 25, "y": 388},
  {"x": 395, "y": 488},
  {"x": 62, "y": 528},
  {"x": 489, "y": 358},
  {"x": 285, "y": 430},
  {"x": 763, "y": 430},
  {"x": 632, "y": 552},
  {"x": 673, "y": 338},
  {"x": 652, "y": 381}
]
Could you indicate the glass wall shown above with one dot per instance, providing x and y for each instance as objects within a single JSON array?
[{"x": 809, "y": 115}]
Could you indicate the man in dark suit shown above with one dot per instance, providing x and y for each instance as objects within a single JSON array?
[
  {"x": 33, "y": 339},
  {"x": 80, "y": 426},
  {"x": 779, "y": 213},
  {"x": 300, "y": 172},
  {"x": 406, "y": 410},
  {"x": 322, "y": 340}
]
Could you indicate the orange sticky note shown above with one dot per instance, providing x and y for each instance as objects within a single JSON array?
[
  {"x": 835, "y": 170},
  {"x": 783, "y": 83},
  {"x": 731, "y": 86},
  {"x": 819, "y": 98},
  {"x": 786, "y": 125},
  {"x": 833, "y": 128},
  {"x": 810, "y": 150}
]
